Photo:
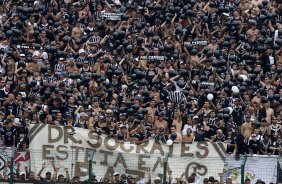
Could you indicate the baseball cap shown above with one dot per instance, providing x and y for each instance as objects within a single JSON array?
[
  {"x": 157, "y": 178},
  {"x": 196, "y": 117},
  {"x": 121, "y": 126},
  {"x": 130, "y": 177},
  {"x": 81, "y": 51},
  {"x": 116, "y": 174},
  {"x": 93, "y": 174}
]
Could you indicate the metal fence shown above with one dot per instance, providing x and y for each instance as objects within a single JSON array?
[{"x": 146, "y": 167}]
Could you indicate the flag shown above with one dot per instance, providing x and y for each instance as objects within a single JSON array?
[{"x": 20, "y": 157}]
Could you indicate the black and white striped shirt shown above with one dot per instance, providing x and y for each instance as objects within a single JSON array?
[
  {"x": 51, "y": 79},
  {"x": 95, "y": 39},
  {"x": 176, "y": 96},
  {"x": 81, "y": 60}
]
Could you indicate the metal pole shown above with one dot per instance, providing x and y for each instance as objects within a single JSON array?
[
  {"x": 89, "y": 171},
  {"x": 165, "y": 168},
  {"x": 90, "y": 161},
  {"x": 243, "y": 170},
  {"x": 12, "y": 167}
]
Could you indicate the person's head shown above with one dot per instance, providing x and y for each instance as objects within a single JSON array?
[
  {"x": 219, "y": 132},
  {"x": 248, "y": 118},
  {"x": 157, "y": 180},
  {"x": 48, "y": 175},
  {"x": 49, "y": 118},
  {"x": 274, "y": 120},
  {"x": 61, "y": 178},
  {"x": 76, "y": 179},
  {"x": 247, "y": 181},
  {"x": 59, "y": 116},
  {"x": 9, "y": 123},
  {"x": 266, "y": 137},
  {"x": 131, "y": 179},
  {"x": 7, "y": 87},
  {"x": 189, "y": 131},
  {"x": 206, "y": 104},
  {"x": 228, "y": 181},
  {"x": 173, "y": 128},
  {"x": 31, "y": 175},
  {"x": 117, "y": 176}
]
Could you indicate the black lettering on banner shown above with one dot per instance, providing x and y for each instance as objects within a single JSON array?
[
  {"x": 141, "y": 162},
  {"x": 202, "y": 146},
  {"x": 159, "y": 161},
  {"x": 50, "y": 133},
  {"x": 121, "y": 144},
  {"x": 157, "y": 146},
  {"x": 142, "y": 146},
  {"x": 218, "y": 150},
  {"x": 46, "y": 150},
  {"x": 79, "y": 171},
  {"x": 61, "y": 149},
  {"x": 88, "y": 153},
  {"x": 185, "y": 148},
  {"x": 106, "y": 153},
  {"x": 108, "y": 146},
  {"x": 120, "y": 159},
  {"x": 77, "y": 148},
  {"x": 70, "y": 135},
  {"x": 93, "y": 136},
  {"x": 34, "y": 131},
  {"x": 196, "y": 168},
  {"x": 109, "y": 173}
]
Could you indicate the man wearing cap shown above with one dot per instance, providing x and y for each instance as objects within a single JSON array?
[
  {"x": 116, "y": 178},
  {"x": 93, "y": 178},
  {"x": 60, "y": 67},
  {"x": 131, "y": 179},
  {"x": 161, "y": 123}
]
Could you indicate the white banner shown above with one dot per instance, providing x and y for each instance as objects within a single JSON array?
[
  {"x": 70, "y": 147},
  {"x": 256, "y": 167}
]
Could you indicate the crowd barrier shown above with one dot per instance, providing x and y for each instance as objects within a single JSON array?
[{"x": 83, "y": 151}]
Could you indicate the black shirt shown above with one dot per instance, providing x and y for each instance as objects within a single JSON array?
[
  {"x": 254, "y": 146},
  {"x": 8, "y": 134}
]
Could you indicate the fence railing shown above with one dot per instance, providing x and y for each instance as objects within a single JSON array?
[{"x": 169, "y": 168}]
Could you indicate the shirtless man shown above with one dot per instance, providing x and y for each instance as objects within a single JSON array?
[
  {"x": 213, "y": 45},
  {"x": 278, "y": 56},
  {"x": 257, "y": 98},
  {"x": 152, "y": 108},
  {"x": 253, "y": 33},
  {"x": 189, "y": 138},
  {"x": 178, "y": 135},
  {"x": 161, "y": 123},
  {"x": 35, "y": 65},
  {"x": 240, "y": 71},
  {"x": 177, "y": 121},
  {"x": 77, "y": 31},
  {"x": 247, "y": 128},
  {"x": 269, "y": 112}
]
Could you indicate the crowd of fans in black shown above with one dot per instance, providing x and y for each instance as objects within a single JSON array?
[{"x": 180, "y": 70}]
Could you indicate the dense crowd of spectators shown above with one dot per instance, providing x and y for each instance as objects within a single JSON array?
[{"x": 180, "y": 70}]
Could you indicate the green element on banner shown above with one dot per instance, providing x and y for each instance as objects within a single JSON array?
[
  {"x": 243, "y": 169},
  {"x": 165, "y": 167}
]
